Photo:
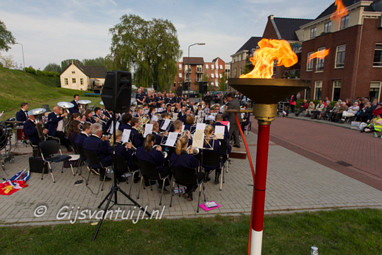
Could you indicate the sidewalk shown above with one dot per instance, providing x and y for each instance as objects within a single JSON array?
[{"x": 295, "y": 183}]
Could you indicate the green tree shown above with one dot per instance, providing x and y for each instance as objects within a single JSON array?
[
  {"x": 100, "y": 61},
  {"x": 52, "y": 67},
  {"x": 65, "y": 63},
  {"x": 150, "y": 48},
  {"x": 223, "y": 82},
  {"x": 6, "y": 37}
]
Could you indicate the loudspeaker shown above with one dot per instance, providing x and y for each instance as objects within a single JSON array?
[
  {"x": 203, "y": 87},
  {"x": 116, "y": 92}
]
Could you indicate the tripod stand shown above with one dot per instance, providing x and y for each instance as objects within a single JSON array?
[{"x": 114, "y": 191}]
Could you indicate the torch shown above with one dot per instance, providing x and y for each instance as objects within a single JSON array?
[{"x": 265, "y": 93}]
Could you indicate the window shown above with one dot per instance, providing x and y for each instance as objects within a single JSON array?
[
  {"x": 73, "y": 80},
  {"x": 320, "y": 63},
  {"x": 221, "y": 67},
  {"x": 313, "y": 32},
  {"x": 378, "y": 56},
  {"x": 220, "y": 76},
  {"x": 375, "y": 90},
  {"x": 212, "y": 76},
  {"x": 340, "y": 56},
  {"x": 199, "y": 69},
  {"x": 317, "y": 90},
  {"x": 212, "y": 84},
  {"x": 309, "y": 65},
  {"x": 180, "y": 75},
  {"x": 336, "y": 90},
  {"x": 328, "y": 27},
  {"x": 82, "y": 81},
  {"x": 66, "y": 81},
  {"x": 344, "y": 22},
  {"x": 180, "y": 67},
  {"x": 207, "y": 66},
  {"x": 212, "y": 67},
  {"x": 73, "y": 72}
]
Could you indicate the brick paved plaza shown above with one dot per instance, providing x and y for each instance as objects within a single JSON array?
[{"x": 295, "y": 182}]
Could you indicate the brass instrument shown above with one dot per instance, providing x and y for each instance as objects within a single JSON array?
[
  {"x": 100, "y": 120},
  {"x": 195, "y": 150},
  {"x": 164, "y": 153},
  {"x": 83, "y": 105},
  {"x": 143, "y": 120},
  {"x": 38, "y": 113}
]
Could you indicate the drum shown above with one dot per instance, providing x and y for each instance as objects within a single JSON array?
[{"x": 20, "y": 134}]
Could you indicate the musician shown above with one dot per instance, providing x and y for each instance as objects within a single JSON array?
[
  {"x": 89, "y": 117},
  {"x": 158, "y": 138},
  {"x": 125, "y": 122},
  {"x": 185, "y": 159},
  {"x": 75, "y": 116},
  {"x": 31, "y": 131},
  {"x": 74, "y": 130},
  {"x": 75, "y": 103},
  {"x": 218, "y": 122},
  {"x": 22, "y": 115},
  {"x": 200, "y": 114},
  {"x": 147, "y": 153},
  {"x": 102, "y": 147},
  {"x": 140, "y": 97},
  {"x": 182, "y": 114},
  {"x": 165, "y": 116},
  {"x": 211, "y": 142},
  {"x": 159, "y": 100},
  {"x": 55, "y": 126},
  {"x": 233, "y": 104},
  {"x": 136, "y": 137},
  {"x": 80, "y": 138},
  {"x": 189, "y": 125}
]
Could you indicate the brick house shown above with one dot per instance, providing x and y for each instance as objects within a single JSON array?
[
  {"x": 353, "y": 67},
  {"x": 193, "y": 70}
]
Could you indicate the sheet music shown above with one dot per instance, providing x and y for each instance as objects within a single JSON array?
[
  {"x": 154, "y": 118},
  {"x": 126, "y": 135},
  {"x": 219, "y": 132},
  {"x": 174, "y": 116},
  {"x": 200, "y": 126},
  {"x": 183, "y": 128},
  {"x": 148, "y": 130},
  {"x": 116, "y": 127},
  {"x": 198, "y": 140},
  {"x": 165, "y": 124},
  {"x": 171, "y": 139}
]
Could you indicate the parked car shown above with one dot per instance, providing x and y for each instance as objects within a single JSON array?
[{"x": 190, "y": 93}]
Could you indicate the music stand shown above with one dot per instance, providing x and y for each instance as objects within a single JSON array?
[{"x": 114, "y": 191}]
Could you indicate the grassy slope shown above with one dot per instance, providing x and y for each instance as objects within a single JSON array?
[
  {"x": 333, "y": 232},
  {"x": 17, "y": 86}
]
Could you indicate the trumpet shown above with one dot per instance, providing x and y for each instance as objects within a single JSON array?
[
  {"x": 100, "y": 120},
  {"x": 195, "y": 150},
  {"x": 164, "y": 153}
]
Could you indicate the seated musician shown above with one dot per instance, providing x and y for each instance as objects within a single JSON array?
[
  {"x": 55, "y": 126},
  {"x": 102, "y": 147},
  {"x": 153, "y": 155},
  {"x": 211, "y": 142},
  {"x": 30, "y": 128},
  {"x": 22, "y": 115},
  {"x": 136, "y": 137},
  {"x": 80, "y": 138},
  {"x": 89, "y": 117},
  {"x": 165, "y": 116},
  {"x": 190, "y": 120},
  {"x": 158, "y": 137},
  {"x": 185, "y": 159},
  {"x": 74, "y": 109},
  {"x": 182, "y": 114},
  {"x": 125, "y": 122},
  {"x": 218, "y": 122},
  {"x": 74, "y": 130}
]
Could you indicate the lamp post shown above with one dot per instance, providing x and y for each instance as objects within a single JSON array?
[
  {"x": 22, "y": 51},
  {"x": 189, "y": 66}
]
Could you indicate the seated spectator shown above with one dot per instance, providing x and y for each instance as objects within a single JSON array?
[
  {"x": 285, "y": 111},
  {"x": 317, "y": 111},
  {"x": 334, "y": 111},
  {"x": 310, "y": 109},
  {"x": 325, "y": 112},
  {"x": 374, "y": 126},
  {"x": 351, "y": 112},
  {"x": 378, "y": 110},
  {"x": 366, "y": 113},
  {"x": 343, "y": 107},
  {"x": 303, "y": 106}
]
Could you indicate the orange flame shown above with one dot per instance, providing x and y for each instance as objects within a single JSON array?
[
  {"x": 264, "y": 57},
  {"x": 341, "y": 11},
  {"x": 321, "y": 54}
]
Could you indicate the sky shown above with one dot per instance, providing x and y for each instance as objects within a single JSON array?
[{"x": 54, "y": 30}]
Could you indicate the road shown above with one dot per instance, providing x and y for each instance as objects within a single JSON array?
[{"x": 350, "y": 152}]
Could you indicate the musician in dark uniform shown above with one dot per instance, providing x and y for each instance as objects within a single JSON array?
[
  {"x": 211, "y": 142},
  {"x": 102, "y": 147},
  {"x": 140, "y": 97},
  {"x": 31, "y": 130},
  {"x": 158, "y": 138},
  {"x": 218, "y": 122},
  {"x": 125, "y": 122},
  {"x": 136, "y": 137},
  {"x": 182, "y": 114},
  {"x": 55, "y": 126},
  {"x": 89, "y": 117},
  {"x": 80, "y": 138},
  {"x": 76, "y": 106},
  {"x": 183, "y": 158},
  {"x": 22, "y": 115}
]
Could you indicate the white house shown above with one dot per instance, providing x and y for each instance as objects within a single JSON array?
[{"x": 80, "y": 77}]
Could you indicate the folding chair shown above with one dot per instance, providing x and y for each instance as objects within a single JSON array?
[
  {"x": 94, "y": 163},
  {"x": 120, "y": 165},
  {"x": 212, "y": 160},
  {"x": 150, "y": 171},
  {"x": 187, "y": 177},
  {"x": 48, "y": 150}
]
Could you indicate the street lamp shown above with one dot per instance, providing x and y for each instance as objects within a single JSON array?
[
  {"x": 22, "y": 50},
  {"x": 189, "y": 66}
]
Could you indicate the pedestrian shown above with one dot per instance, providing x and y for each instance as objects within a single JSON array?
[{"x": 233, "y": 104}]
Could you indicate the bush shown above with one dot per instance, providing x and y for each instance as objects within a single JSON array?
[{"x": 30, "y": 70}]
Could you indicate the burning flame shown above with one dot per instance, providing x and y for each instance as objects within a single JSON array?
[
  {"x": 264, "y": 57},
  {"x": 319, "y": 54},
  {"x": 341, "y": 11}
]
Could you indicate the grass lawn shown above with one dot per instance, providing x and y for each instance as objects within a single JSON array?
[
  {"x": 17, "y": 86},
  {"x": 333, "y": 232}
]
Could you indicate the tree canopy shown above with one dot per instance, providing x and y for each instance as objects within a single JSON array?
[
  {"x": 149, "y": 48},
  {"x": 52, "y": 67},
  {"x": 6, "y": 37}
]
